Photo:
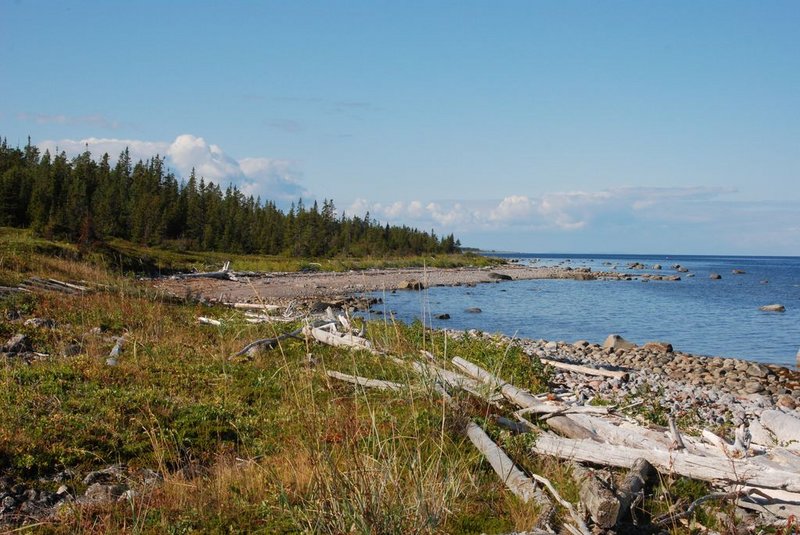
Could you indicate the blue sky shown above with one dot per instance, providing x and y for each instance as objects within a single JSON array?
[{"x": 567, "y": 126}]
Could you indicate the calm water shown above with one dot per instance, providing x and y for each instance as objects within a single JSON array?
[{"x": 697, "y": 315}]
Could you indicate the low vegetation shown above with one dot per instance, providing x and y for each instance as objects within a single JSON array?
[{"x": 266, "y": 443}]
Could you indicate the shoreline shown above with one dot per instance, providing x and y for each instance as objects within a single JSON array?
[
  {"x": 315, "y": 291},
  {"x": 283, "y": 287}
]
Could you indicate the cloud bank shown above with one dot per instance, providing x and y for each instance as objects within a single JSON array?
[
  {"x": 673, "y": 220},
  {"x": 273, "y": 179}
]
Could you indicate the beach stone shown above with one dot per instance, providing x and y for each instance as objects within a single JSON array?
[
  {"x": 411, "y": 284},
  {"x": 17, "y": 344},
  {"x": 773, "y": 308},
  {"x": 100, "y": 493},
  {"x": 580, "y": 344},
  {"x": 660, "y": 347},
  {"x": 756, "y": 370},
  {"x": 753, "y": 387},
  {"x": 616, "y": 342},
  {"x": 786, "y": 401},
  {"x": 40, "y": 323},
  {"x": 71, "y": 349},
  {"x": 656, "y": 266}
]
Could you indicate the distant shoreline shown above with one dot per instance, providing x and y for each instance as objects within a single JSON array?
[{"x": 284, "y": 287}]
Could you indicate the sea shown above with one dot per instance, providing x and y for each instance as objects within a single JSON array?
[{"x": 697, "y": 314}]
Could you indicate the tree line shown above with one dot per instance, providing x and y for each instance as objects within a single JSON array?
[{"x": 84, "y": 200}]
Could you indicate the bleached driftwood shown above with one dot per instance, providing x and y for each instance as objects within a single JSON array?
[
  {"x": 68, "y": 285},
  {"x": 53, "y": 285},
  {"x": 266, "y": 343},
  {"x": 225, "y": 273},
  {"x": 516, "y": 481},
  {"x": 751, "y": 471},
  {"x": 599, "y": 501},
  {"x": 784, "y": 426},
  {"x": 518, "y": 396},
  {"x": 365, "y": 382},
  {"x": 335, "y": 339},
  {"x": 255, "y": 306},
  {"x": 581, "y": 526},
  {"x": 778, "y": 503},
  {"x": 633, "y": 486},
  {"x": 677, "y": 441},
  {"x": 566, "y": 426},
  {"x": 116, "y": 351},
  {"x": 586, "y": 370}
]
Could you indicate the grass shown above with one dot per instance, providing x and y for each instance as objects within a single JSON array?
[{"x": 266, "y": 444}]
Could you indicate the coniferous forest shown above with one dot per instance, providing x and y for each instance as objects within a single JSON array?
[{"x": 84, "y": 200}]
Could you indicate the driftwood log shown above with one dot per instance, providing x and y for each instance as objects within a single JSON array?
[
  {"x": 640, "y": 473},
  {"x": 586, "y": 370},
  {"x": 599, "y": 501},
  {"x": 717, "y": 468}
]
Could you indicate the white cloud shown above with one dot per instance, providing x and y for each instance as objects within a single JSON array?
[
  {"x": 273, "y": 179},
  {"x": 556, "y": 211}
]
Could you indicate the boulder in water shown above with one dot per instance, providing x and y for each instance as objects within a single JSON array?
[{"x": 411, "y": 285}]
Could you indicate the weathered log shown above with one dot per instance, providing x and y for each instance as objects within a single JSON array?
[
  {"x": 520, "y": 397},
  {"x": 365, "y": 382},
  {"x": 586, "y": 370},
  {"x": 750, "y": 471},
  {"x": 224, "y": 273},
  {"x": 581, "y": 528},
  {"x": 640, "y": 473},
  {"x": 116, "y": 351},
  {"x": 568, "y": 427},
  {"x": 516, "y": 481},
  {"x": 601, "y": 504},
  {"x": 267, "y": 343},
  {"x": 677, "y": 441},
  {"x": 778, "y": 503},
  {"x": 784, "y": 426},
  {"x": 255, "y": 306},
  {"x": 336, "y": 340}
]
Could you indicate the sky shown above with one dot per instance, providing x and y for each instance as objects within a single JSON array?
[{"x": 532, "y": 126}]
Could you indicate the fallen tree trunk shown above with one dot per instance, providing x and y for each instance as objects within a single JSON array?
[
  {"x": 601, "y": 504},
  {"x": 516, "y": 481},
  {"x": 255, "y": 306},
  {"x": 336, "y": 340},
  {"x": 365, "y": 382},
  {"x": 586, "y": 370},
  {"x": 745, "y": 471},
  {"x": 633, "y": 485},
  {"x": 785, "y": 427},
  {"x": 224, "y": 273}
]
